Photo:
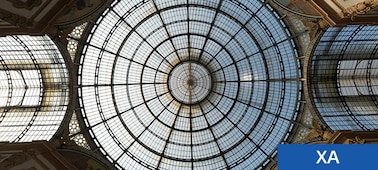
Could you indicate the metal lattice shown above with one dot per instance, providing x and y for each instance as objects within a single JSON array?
[
  {"x": 344, "y": 77},
  {"x": 33, "y": 88},
  {"x": 189, "y": 84}
]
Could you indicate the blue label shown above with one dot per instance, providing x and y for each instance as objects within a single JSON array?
[{"x": 327, "y": 156}]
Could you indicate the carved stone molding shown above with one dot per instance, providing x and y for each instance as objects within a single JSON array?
[
  {"x": 354, "y": 137},
  {"x": 318, "y": 132},
  {"x": 360, "y": 8},
  {"x": 14, "y": 19},
  {"x": 32, "y": 155},
  {"x": 41, "y": 18},
  {"x": 28, "y": 4},
  {"x": 356, "y": 140},
  {"x": 13, "y": 160}
]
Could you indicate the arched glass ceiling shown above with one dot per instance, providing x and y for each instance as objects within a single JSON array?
[
  {"x": 344, "y": 77},
  {"x": 191, "y": 84},
  {"x": 33, "y": 88}
]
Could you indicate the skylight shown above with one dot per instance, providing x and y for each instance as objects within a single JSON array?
[{"x": 189, "y": 84}]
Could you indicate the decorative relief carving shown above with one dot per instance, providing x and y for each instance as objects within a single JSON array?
[
  {"x": 79, "y": 11},
  {"x": 318, "y": 132},
  {"x": 356, "y": 140},
  {"x": 27, "y": 4},
  {"x": 4, "y": 156},
  {"x": 14, "y": 19},
  {"x": 13, "y": 160},
  {"x": 313, "y": 28},
  {"x": 360, "y": 8}
]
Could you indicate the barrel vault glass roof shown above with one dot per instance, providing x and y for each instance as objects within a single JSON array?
[
  {"x": 33, "y": 88},
  {"x": 189, "y": 84},
  {"x": 344, "y": 86}
]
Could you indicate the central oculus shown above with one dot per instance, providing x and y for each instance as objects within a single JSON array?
[{"x": 189, "y": 82}]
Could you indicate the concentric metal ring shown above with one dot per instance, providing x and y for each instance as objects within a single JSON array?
[{"x": 189, "y": 82}]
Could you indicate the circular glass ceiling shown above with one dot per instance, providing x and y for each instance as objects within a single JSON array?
[{"x": 191, "y": 84}]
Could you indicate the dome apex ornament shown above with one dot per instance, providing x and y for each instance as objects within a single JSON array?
[{"x": 189, "y": 82}]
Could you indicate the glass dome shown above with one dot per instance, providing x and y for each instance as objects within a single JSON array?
[{"x": 174, "y": 84}]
